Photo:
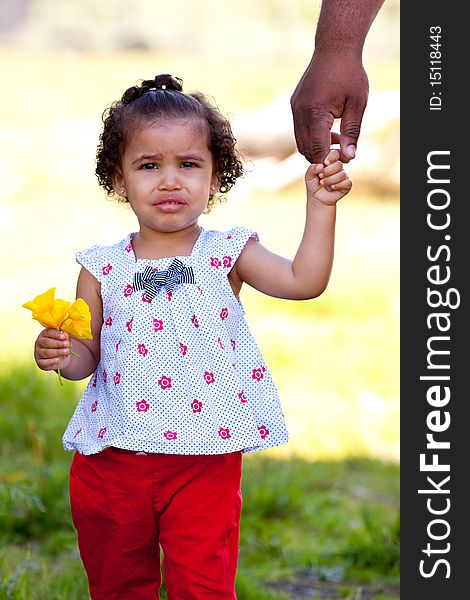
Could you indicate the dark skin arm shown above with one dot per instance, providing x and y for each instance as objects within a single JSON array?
[{"x": 335, "y": 84}]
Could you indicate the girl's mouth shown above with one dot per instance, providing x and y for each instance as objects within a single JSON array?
[{"x": 170, "y": 205}]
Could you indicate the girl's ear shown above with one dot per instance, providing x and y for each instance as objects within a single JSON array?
[
  {"x": 119, "y": 185},
  {"x": 215, "y": 184}
]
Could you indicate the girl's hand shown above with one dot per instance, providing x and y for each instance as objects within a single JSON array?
[
  {"x": 52, "y": 350},
  {"x": 328, "y": 183}
]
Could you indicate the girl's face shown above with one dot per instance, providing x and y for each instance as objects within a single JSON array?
[{"x": 167, "y": 174}]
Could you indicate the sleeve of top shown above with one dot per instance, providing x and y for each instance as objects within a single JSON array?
[
  {"x": 235, "y": 239},
  {"x": 95, "y": 260}
]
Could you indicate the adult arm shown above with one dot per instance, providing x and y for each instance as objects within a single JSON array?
[{"x": 335, "y": 84}]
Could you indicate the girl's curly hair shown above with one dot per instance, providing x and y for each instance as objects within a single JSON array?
[{"x": 163, "y": 97}]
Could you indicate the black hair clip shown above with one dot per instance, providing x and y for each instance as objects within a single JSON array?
[{"x": 168, "y": 82}]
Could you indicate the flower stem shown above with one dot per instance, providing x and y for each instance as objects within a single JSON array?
[{"x": 59, "y": 375}]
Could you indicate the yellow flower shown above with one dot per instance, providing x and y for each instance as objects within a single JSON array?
[
  {"x": 49, "y": 312},
  {"x": 41, "y": 302},
  {"x": 78, "y": 320},
  {"x": 73, "y": 318}
]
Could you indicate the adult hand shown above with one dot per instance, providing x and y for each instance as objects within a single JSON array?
[{"x": 334, "y": 86}]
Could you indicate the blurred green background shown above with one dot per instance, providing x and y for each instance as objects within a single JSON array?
[{"x": 321, "y": 513}]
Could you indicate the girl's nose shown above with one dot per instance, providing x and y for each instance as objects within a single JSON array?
[{"x": 169, "y": 180}]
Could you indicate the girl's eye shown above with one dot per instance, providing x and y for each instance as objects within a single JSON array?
[
  {"x": 187, "y": 164},
  {"x": 148, "y": 166}
]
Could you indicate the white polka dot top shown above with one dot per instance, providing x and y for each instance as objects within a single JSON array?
[{"x": 180, "y": 372}]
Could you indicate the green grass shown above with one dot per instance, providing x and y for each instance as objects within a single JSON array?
[{"x": 330, "y": 523}]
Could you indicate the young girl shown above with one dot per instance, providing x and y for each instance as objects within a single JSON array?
[{"x": 179, "y": 389}]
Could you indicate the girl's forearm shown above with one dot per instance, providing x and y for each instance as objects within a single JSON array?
[{"x": 313, "y": 261}]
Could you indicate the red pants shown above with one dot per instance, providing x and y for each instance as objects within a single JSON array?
[{"x": 125, "y": 506}]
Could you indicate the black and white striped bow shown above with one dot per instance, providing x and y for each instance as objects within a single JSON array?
[{"x": 152, "y": 281}]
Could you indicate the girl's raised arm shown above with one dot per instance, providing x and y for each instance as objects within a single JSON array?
[{"x": 307, "y": 275}]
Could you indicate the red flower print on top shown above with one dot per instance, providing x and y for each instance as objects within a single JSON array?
[
  {"x": 242, "y": 396},
  {"x": 95, "y": 377},
  {"x": 157, "y": 324},
  {"x": 183, "y": 349},
  {"x": 199, "y": 290},
  {"x": 105, "y": 375},
  {"x": 145, "y": 298},
  {"x": 227, "y": 260},
  {"x": 128, "y": 290},
  {"x": 128, "y": 247},
  {"x": 195, "y": 321},
  {"x": 233, "y": 343},
  {"x": 117, "y": 378},
  {"x": 170, "y": 435},
  {"x": 224, "y": 313},
  {"x": 257, "y": 374},
  {"x": 117, "y": 345},
  {"x": 101, "y": 432},
  {"x": 219, "y": 341},
  {"x": 129, "y": 325},
  {"x": 169, "y": 296},
  {"x": 164, "y": 382},
  {"x": 142, "y": 406},
  {"x": 105, "y": 270},
  {"x": 263, "y": 431},
  {"x": 229, "y": 237},
  {"x": 224, "y": 433},
  {"x": 109, "y": 321},
  {"x": 215, "y": 262},
  {"x": 142, "y": 349},
  {"x": 196, "y": 406},
  {"x": 209, "y": 377},
  {"x": 94, "y": 406},
  {"x": 78, "y": 432}
]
